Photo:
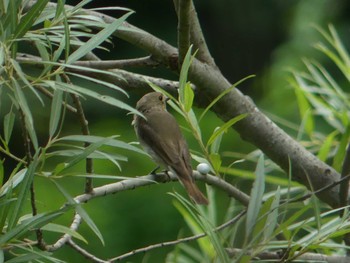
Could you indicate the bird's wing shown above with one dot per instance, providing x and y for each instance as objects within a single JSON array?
[{"x": 162, "y": 134}]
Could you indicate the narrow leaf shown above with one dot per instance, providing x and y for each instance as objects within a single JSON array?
[
  {"x": 96, "y": 40},
  {"x": 28, "y": 20},
  {"x": 80, "y": 210},
  {"x": 272, "y": 216},
  {"x": 183, "y": 74},
  {"x": 63, "y": 230},
  {"x": 9, "y": 121},
  {"x": 13, "y": 182},
  {"x": 223, "y": 128},
  {"x": 256, "y": 196},
  {"x": 188, "y": 96},
  {"x": 340, "y": 155},
  {"x": 85, "y": 153},
  {"x": 56, "y": 109},
  {"x": 25, "y": 226},
  {"x": 23, "y": 192},
  {"x": 104, "y": 98},
  {"x": 324, "y": 151},
  {"x": 26, "y": 111},
  {"x": 223, "y": 94},
  {"x": 111, "y": 142}
]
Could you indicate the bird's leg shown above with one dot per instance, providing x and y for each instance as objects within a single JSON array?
[
  {"x": 165, "y": 171},
  {"x": 154, "y": 171}
]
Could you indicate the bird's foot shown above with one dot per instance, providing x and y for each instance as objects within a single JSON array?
[{"x": 154, "y": 171}]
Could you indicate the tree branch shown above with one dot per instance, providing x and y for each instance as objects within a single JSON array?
[
  {"x": 197, "y": 37},
  {"x": 85, "y": 253},
  {"x": 177, "y": 241},
  {"x": 304, "y": 257},
  {"x": 122, "y": 63},
  {"x": 132, "y": 183},
  {"x": 183, "y": 29}
]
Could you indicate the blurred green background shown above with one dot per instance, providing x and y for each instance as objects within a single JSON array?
[{"x": 265, "y": 38}]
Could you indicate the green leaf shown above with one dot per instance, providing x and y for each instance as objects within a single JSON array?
[
  {"x": 223, "y": 128},
  {"x": 98, "y": 81},
  {"x": 272, "y": 216},
  {"x": 94, "y": 155},
  {"x": 340, "y": 155},
  {"x": 26, "y": 225},
  {"x": 26, "y": 111},
  {"x": 223, "y": 94},
  {"x": 192, "y": 119},
  {"x": 215, "y": 160},
  {"x": 93, "y": 139},
  {"x": 97, "y": 39},
  {"x": 183, "y": 75},
  {"x": 63, "y": 230},
  {"x": 56, "y": 109},
  {"x": 80, "y": 210},
  {"x": 304, "y": 110},
  {"x": 326, "y": 146},
  {"x": 159, "y": 89},
  {"x": 85, "y": 153},
  {"x": 9, "y": 121},
  {"x": 188, "y": 97},
  {"x": 22, "y": 76},
  {"x": 1, "y": 174},
  {"x": 28, "y": 20},
  {"x": 256, "y": 196},
  {"x": 13, "y": 182},
  {"x": 23, "y": 192},
  {"x": 104, "y": 98},
  {"x": 215, "y": 146},
  {"x": 6, "y": 204}
]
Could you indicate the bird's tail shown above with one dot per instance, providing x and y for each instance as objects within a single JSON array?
[{"x": 194, "y": 192}]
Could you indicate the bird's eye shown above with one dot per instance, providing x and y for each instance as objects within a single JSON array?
[{"x": 160, "y": 97}]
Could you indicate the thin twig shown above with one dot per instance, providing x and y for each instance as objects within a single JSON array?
[
  {"x": 327, "y": 187},
  {"x": 29, "y": 157},
  {"x": 177, "y": 241},
  {"x": 89, "y": 167},
  {"x": 147, "y": 61},
  {"x": 66, "y": 237},
  {"x": 125, "y": 79},
  {"x": 85, "y": 253}
]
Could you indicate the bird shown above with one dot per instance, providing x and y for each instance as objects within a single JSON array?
[{"x": 160, "y": 136}]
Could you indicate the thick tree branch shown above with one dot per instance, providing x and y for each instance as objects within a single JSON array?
[
  {"x": 197, "y": 37},
  {"x": 183, "y": 29}
]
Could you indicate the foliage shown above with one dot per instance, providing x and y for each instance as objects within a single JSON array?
[{"x": 280, "y": 214}]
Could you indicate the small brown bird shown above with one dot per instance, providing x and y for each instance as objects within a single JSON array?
[{"x": 161, "y": 138}]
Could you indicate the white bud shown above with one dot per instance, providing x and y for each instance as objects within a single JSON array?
[{"x": 203, "y": 168}]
